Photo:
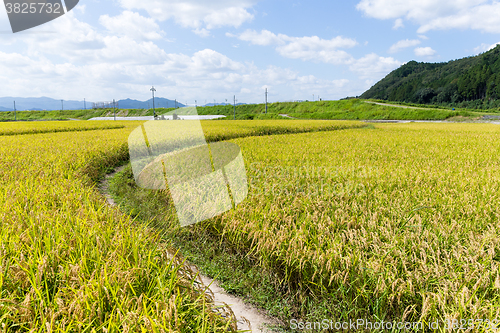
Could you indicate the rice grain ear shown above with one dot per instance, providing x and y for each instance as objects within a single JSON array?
[{"x": 75, "y": 261}]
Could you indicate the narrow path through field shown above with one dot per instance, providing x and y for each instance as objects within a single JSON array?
[
  {"x": 250, "y": 319},
  {"x": 287, "y": 116},
  {"x": 400, "y": 106}
]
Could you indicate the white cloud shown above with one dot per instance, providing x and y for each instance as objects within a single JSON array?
[
  {"x": 209, "y": 61},
  {"x": 133, "y": 25},
  {"x": 340, "y": 83},
  {"x": 202, "y": 32},
  {"x": 479, "y": 15},
  {"x": 403, "y": 44},
  {"x": 424, "y": 52},
  {"x": 330, "y": 51},
  {"x": 374, "y": 67},
  {"x": 78, "y": 42},
  {"x": 196, "y": 14},
  {"x": 123, "y": 60},
  {"x": 263, "y": 38},
  {"x": 317, "y": 50},
  {"x": 82, "y": 8},
  {"x": 485, "y": 47},
  {"x": 81, "y": 62},
  {"x": 305, "y": 48},
  {"x": 398, "y": 24}
]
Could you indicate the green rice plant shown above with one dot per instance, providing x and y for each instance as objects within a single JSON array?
[
  {"x": 396, "y": 223},
  {"x": 357, "y": 247},
  {"x": 71, "y": 263},
  {"x": 219, "y": 131},
  {"x": 19, "y": 128}
]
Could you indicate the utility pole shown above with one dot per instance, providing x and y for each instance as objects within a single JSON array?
[
  {"x": 84, "y": 104},
  {"x": 154, "y": 111},
  {"x": 114, "y": 110},
  {"x": 266, "y": 100},
  {"x": 62, "y": 105},
  {"x": 175, "y": 106},
  {"x": 234, "y": 105},
  {"x": 195, "y": 104},
  {"x": 15, "y": 115}
]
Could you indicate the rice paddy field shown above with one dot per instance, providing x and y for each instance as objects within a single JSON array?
[
  {"x": 343, "y": 221},
  {"x": 71, "y": 263},
  {"x": 400, "y": 222}
]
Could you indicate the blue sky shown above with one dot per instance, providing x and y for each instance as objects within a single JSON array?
[{"x": 211, "y": 50}]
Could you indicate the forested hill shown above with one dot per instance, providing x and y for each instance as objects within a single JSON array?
[{"x": 471, "y": 82}]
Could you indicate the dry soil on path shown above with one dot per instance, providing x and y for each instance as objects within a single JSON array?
[{"x": 249, "y": 318}]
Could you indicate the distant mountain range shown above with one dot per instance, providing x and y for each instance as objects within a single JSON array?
[
  {"x": 46, "y": 103},
  {"x": 38, "y": 103},
  {"x": 159, "y": 103}
]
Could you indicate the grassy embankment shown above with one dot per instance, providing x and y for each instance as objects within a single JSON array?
[
  {"x": 77, "y": 114},
  {"x": 353, "y": 109},
  {"x": 397, "y": 223}
]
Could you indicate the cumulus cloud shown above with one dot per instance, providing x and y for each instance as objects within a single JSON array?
[
  {"x": 424, "y": 52},
  {"x": 373, "y": 66},
  {"x": 403, "y": 44},
  {"x": 328, "y": 51},
  {"x": 479, "y": 15},
  {"x": 263, "y": 38},
  {"x": 79, "y": 42},
  {"x": 318, "y": 50},
  {"x": 123, "y": 60},
  {"x": 307, "y": 48},
  {"x": 196, "y": 14},
  {"x": 485, "y": 47},
  {"x": 132, "y": 24},
  {"x": 398, "y": 24},
  {"x": 202, "y": 32},
  {"x": 81, "y": 62}
]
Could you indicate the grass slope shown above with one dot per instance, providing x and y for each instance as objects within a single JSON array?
[{"x": 352, "y": 109}]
